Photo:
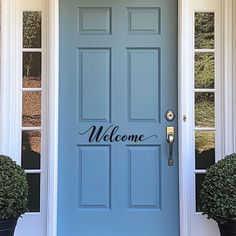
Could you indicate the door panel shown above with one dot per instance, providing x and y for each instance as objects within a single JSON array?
[{"x": 118, "y": 77}]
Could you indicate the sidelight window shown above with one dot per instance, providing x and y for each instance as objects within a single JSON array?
[
  {"x": 31, "y": 94},
  {"x": 204, "y": 96}
]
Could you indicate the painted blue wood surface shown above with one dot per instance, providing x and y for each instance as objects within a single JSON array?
[{"x": 118, "y": 77}]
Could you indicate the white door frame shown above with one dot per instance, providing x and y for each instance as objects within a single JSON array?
[
  {"x": 183, "y": 127},
  {"x": 185, "y": 106},
  {"x": 184, "y": 114},
  {"x": 53, "y": 29}
]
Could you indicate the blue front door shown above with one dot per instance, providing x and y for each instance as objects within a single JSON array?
[{"x": 118, "y": 77}]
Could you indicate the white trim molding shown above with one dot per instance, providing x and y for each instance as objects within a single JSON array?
[
  {"x": 53, "y": 6},
  {"x": 185, "y": 116},
  {"x": 228, "y": 75},
  {"x": 234, "y": 72},
  {"x": 7, "y": 139}
]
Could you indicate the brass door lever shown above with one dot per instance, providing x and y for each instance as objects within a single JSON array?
[{"x": 170, "y": 137}]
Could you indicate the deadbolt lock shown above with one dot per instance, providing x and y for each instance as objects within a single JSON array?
[{"x": 170, "y": 115}]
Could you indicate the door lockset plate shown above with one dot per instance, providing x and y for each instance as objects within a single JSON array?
[{"x": 170, "y": 130}]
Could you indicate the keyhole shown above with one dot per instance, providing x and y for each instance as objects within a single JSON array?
[{"x": 170, "y": 116}]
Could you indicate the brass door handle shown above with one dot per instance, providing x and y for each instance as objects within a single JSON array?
[{"x": 170, "y": 137}]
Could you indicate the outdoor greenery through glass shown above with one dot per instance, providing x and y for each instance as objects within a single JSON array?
[
  {"x": 32, "y": 62},
  {"x": 199, "y": 180},
  {"x": 204, "y": 149},
  {"x": 204, "y": 110},
  {"x": 32, "y": 27},
  {"x": 31, "y": 109},
  {"x": 34, "y": 192},
  {"x": 31, "y": 103},
  {"x": 204, "y": 70},
  {"x": 204, "y": 30},
  {"x": 31, "y": 149},
  {"x": 204, "y": 85}
]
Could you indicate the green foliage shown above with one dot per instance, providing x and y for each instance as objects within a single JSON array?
[
  {"x": 32, "y": 29},
  {"x": 13, "y": 189},
  {"x": 32, "y": 22},
  {"x": 204, "y": 109},
  {"x": 204, "y": 140},
  {"x": 204, "y": 30},
  {"x": 218, "y": 193},
  {"x": 204, "y": 70},
  {"x": 204, "y": 78},
  {"x": 204, "y": 117}
]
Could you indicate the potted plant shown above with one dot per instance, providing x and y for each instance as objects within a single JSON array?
[
  {"x": 13, "y": 195},
  {"x": 218, "y": 195}
]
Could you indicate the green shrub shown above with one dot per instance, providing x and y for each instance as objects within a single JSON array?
[
  {"x": 13, "y": 189},
  {"x": 218, "y": 193}
]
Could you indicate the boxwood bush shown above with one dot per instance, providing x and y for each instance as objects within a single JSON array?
[
  {"x": 218, "y": 192},
  {"x": 13, "y": 189}
]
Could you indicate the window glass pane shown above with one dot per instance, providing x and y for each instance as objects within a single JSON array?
[
  {"x": 204, "y": 70},
  {"x": 32, "y": 69},
  {"x": 199, "y": 179},
  {"x": 32, "y": 25},
  {"x": 204, "y": 109},
  {"x": 31, "y": 150},
  {"x": 204, "y": 149},
  {"x": 31, "y": 110},
  {"x": 204, "y": 30},
  {"x": 34, "y": 192}
]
